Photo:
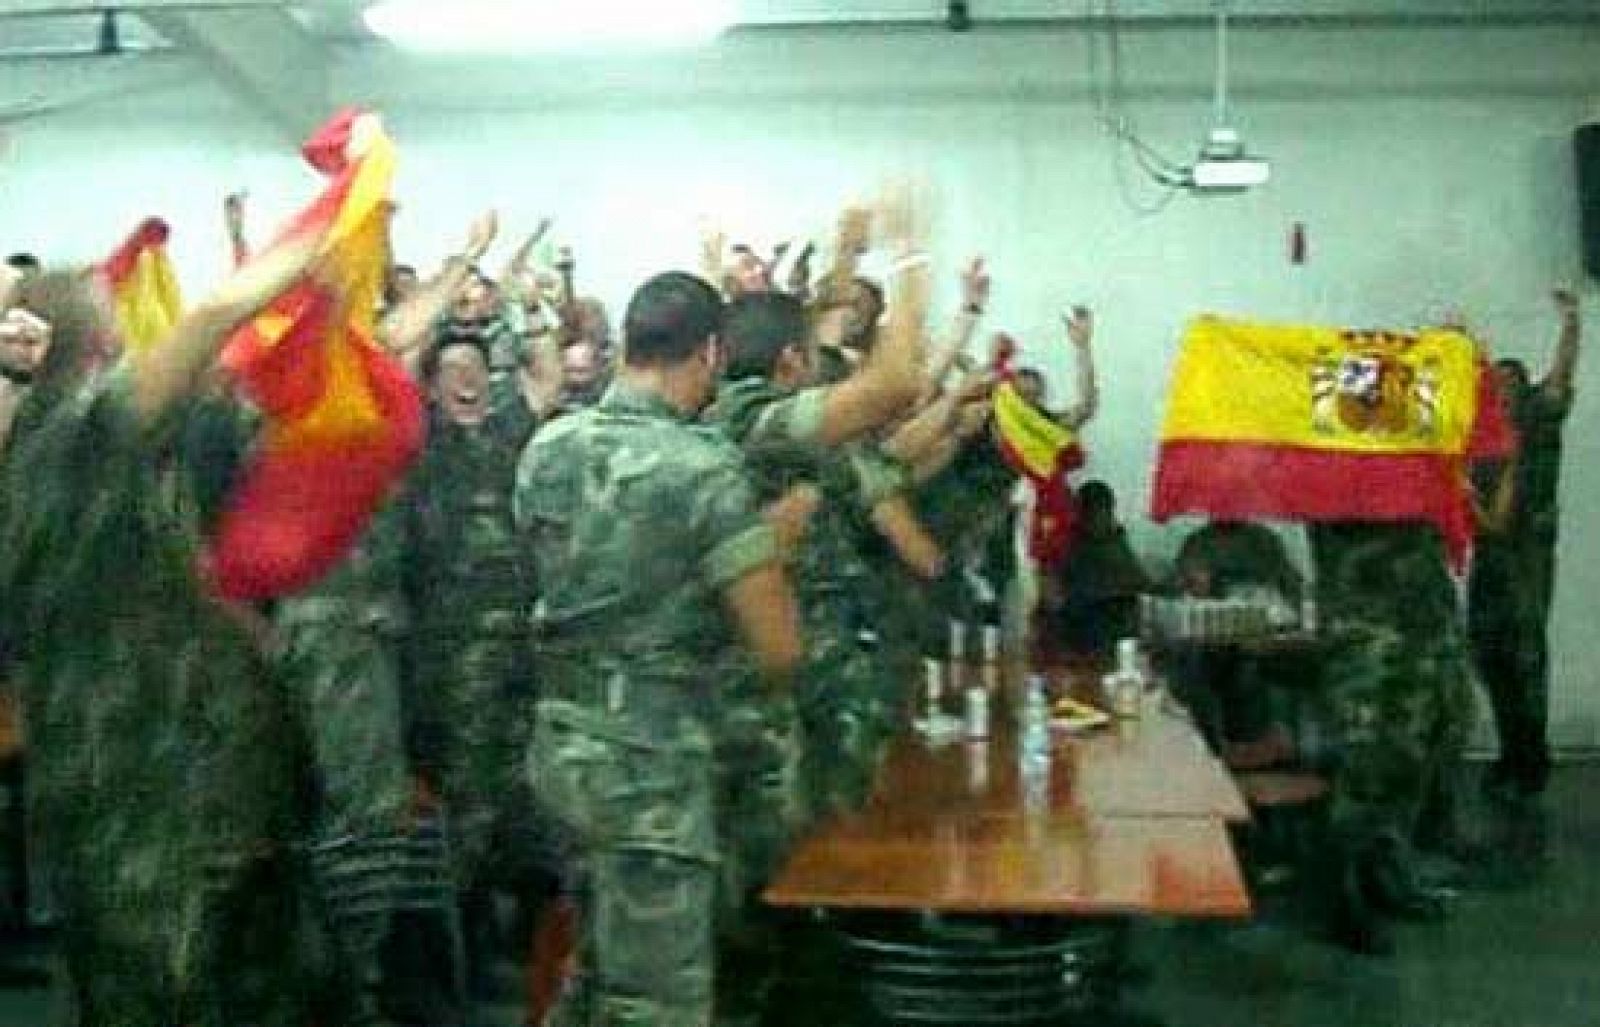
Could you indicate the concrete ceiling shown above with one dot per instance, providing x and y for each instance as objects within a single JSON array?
[{"x": 278, "y": 54}]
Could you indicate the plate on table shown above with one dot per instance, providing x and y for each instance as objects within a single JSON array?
[{"x": 1072, "y": 715}]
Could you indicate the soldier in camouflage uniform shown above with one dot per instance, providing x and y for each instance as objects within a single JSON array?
[
  {"x": 643, "y": 527},
  {"x": 341, "y": 655},
  {"x": 1398, "y": 683},
  {"x": 471, "y": 592},
  {"x": 165, "y": 759},
  {"x": 1513, "y": 575},
  {"x": 791, "y": 437}
]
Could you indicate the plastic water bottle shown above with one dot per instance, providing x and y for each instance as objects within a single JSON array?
[
  {"x": 1035, "y": 741},
  {"x": 1034, "y": 750}
]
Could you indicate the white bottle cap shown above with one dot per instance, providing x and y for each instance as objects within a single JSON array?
[{"x": 1128, "y": 654}]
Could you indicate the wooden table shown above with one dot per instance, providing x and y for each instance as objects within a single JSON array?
[{"x": 1129, "y": 820}]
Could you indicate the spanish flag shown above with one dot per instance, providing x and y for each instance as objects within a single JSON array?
[
  {"x": 1044, "y": 452},
  {"x": 342, "y": 418},
  {"x": 143, "y": 288},
  {"x": 1327, "y": 424}
]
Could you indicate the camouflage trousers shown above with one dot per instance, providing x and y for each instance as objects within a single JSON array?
[
  {"x": 478, "y": 727},
  {"x": 638, "y": 805},
  {"x": 168, "y": 841},
  {"x": 846, "y": 716},
  {"x": 761, "y": 810},
  {"x": 1509, "y": 596},
  {"x": 372, "y": 856},
  {"x": 1400, "y": 711}
]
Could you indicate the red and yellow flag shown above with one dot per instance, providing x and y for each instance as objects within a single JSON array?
[
  {"x": 343, "y": 419},
  {"x": 1324, "y": 424},
  {"x": 1044, "y": 452},
  {"x": 143, "y": 287}
]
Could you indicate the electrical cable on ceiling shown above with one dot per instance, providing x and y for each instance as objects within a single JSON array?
[{"x": 1107, "y": 97}]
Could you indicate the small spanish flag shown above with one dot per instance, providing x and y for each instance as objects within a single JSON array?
[
  {"x": 1327, "y": 424},
  {"x": 343, "y": 420},
  {"x": 143, "y": 288},
  {"x": 1044, "y": 452}
]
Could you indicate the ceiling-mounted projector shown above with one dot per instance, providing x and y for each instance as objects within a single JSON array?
[{"x": 1224, "y": 166}]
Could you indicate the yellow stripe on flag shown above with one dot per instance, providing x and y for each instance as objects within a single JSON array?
[
  {"x": 148, "y": 303},
  {"x": 1324, "y": 388},
  {"x": 1035, "y": 440}
]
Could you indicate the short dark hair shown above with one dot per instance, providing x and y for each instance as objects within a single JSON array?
[
  {"x": 449, "y": 337},
  {"x": 757, "y": 328},
  {"x": 24, "y": 262},
  {"x": 1096, "y": 497},
  {"x": 669, "y": 318}
]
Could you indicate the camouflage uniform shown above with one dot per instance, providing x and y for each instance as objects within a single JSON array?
[
  {"x": 1397, "y": 677},
  {"x": 341, "y": 641},
  {"x": 469, "y": 707},
  {"x": 1510, "y": 591},
  {"x": 1239, "y": 554},
  {"x": 963, "y": 507},
  {"x": 1223, "y": 688},
  {"x": 825, "y": 761},
  {"x": 638, "y": 522},
  {"x": 165, "y": 759}
]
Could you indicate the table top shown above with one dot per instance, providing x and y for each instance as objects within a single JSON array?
[
  {"x": 1155, "y": 766},
  {"x": 1042, "y": 865},
  {"x": 1128, "y": 818}
]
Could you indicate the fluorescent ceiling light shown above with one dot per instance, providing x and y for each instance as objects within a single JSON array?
[{"x": 479, "y": 26}]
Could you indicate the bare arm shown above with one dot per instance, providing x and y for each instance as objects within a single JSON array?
[
  {"x": 767, "y": 619},
  {"x": 974, "y": 300},
  {"x": 910, "y": 540},
  {"x": 1080, "y": 330},
  {"x": 233, "y": 221},
  {"x": 890, "y": 378},
  {"x": 539, "y": 377},
  {"x": 512, "y": 278},
  {"x": 10, "y": 280},
  {"x": 408, "y": 327},
  {"x": 1495, "y": 516},
  {"x": 166, "y": 373},
  {"x": 1558, "y": 383}
]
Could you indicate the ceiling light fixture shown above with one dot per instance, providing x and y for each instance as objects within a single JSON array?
[{"x": 510, "y": 26}]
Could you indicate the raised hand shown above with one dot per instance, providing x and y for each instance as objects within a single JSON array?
[
  {"x": 233, "y": 214},
  {"x": 1566, "y": 301},
  {"x": 519, "y": 260},
  {"x": 1080, "y": 325},
  {"x": 975, "y": 285},
  {"x": 480, "y": 236},
  {"x": 855, "y": 230}
]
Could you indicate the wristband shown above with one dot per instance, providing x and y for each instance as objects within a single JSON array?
[{"x": 910, "y": 262}]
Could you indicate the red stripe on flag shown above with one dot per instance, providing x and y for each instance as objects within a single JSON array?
[{"x": 1248, "y": 481}]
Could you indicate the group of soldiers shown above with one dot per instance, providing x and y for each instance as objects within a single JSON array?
[{"x": 628, "y": 627}]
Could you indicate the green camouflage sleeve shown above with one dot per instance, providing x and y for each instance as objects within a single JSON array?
[
  {"x": 796, "y": 418},
  {"x": 737, "y": 540},
  {"x": 878, "y": 476}
]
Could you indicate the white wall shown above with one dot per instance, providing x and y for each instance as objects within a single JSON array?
[{"x": 1431, "y": 167}]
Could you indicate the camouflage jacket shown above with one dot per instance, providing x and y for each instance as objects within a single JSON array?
[
  {"x": 466, "y": 574},
  {"x": 158, "y": 741},
  {"x": 1539, "y": 420},
  {"x": 637, "y": 520},
  {"x": 1240, "y": 554},
  {"x": 777, "y": 431},
  {"x": 1392, "y": 575}
]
